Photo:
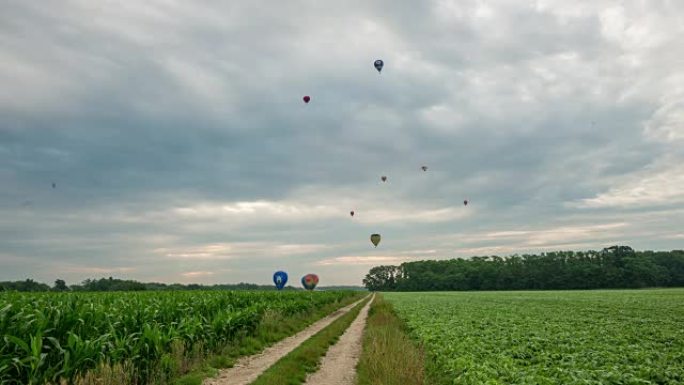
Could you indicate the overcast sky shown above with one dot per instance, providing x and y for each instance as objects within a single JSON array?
[{"x": 182, "y": 151}]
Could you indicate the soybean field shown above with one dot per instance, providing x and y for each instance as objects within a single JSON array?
[
  {"x": 559, "y": 337},
  {"x": 59, "y": 337}
]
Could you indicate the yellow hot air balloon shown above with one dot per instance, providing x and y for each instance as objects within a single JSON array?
[{"x": 375, "y": 238}]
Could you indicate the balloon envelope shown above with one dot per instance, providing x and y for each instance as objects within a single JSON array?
[
  {"x": 465, "y": 202},
  {"x": 375, "y": 238},
  {"x": 280, "y": 279},
  {"x": 306, "y": 99},
  {"x": 310, "y": 281},
  {"x": 384, "y": 178},
  {"x": 351, "y": 213},
  {"x": 378, "y": 64}
]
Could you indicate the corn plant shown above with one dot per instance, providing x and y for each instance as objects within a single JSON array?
[{"x": 53, "y": 337}]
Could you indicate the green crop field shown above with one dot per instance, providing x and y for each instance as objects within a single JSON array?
[
  {"x": 47, "y": 337},
  {"x": 561, "y": 337}
]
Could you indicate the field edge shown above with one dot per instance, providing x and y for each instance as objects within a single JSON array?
[
  {"x": 269, "y": 333},
  {"x": 306, "y": 358},
  {"x": 390, "y": 355}
]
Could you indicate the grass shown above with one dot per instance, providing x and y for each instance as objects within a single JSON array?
[
  {"x": 272, "y": 329},
  {"x": 294, "y": 367},
  {"x": 390, "y": 356}
]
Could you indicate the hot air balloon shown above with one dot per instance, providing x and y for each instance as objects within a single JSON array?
[
  {"x": 54, "y": 185},
  {"x": 378, "y": 64},
  {"x": 384, "y": 178},
  {"x": 306, "y": 98},
  {"x": 351, "y": 213},
  {"x": 375, "y": 238},
  {"x": 424, "y": 168},
  {"x": 310, "y": 281},
  {"x": 280, "y": 279},
  {"x": 465, "y": 202}
]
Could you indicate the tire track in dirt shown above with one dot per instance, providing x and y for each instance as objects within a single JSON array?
[
  {"x": 339, "y": 364},
  {"x": 247, "y": 369}
]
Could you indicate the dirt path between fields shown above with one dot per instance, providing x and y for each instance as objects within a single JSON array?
[
  {"x": 339, "y": 364},
  {"x": 247, "y": 369}
]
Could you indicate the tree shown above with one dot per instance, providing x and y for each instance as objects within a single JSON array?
[
  {"x": 612, "y": 267},
  {"x": 60, "y": 285},
  {"x": 382, "y": 278},
  {"x": 27, "y": 285}
]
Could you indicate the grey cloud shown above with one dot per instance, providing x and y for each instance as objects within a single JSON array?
[{"x": 138, "y": 110}]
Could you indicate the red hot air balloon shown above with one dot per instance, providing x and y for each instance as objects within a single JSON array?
[
  {"x": 306, "y": 98},
  {"x": 384, "y": 178},
  {"x": 310, "y": 281}
]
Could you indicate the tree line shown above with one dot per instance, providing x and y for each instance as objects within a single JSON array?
[
  {"x": 612, "y": 267},
  {"x": 115, "y": 284}
]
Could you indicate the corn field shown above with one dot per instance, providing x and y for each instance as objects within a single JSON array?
[{"x": 53, "y": 337}]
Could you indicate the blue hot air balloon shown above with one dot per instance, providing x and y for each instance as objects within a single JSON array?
[{"x": 280, "y": 279}]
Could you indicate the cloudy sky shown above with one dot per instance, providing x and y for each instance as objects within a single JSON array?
[{"x": 182, "y": 151}]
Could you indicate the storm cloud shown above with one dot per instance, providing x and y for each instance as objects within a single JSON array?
[{"x": 181, "y": 150}]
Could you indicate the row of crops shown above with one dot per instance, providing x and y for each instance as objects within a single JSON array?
[
  {"x": 48, "y": 337},
  {"x": 595, "y": 337}
]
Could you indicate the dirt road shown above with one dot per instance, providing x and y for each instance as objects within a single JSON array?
[
  {"x": 339, "y": 364},
  {"x": 247, "y": 369}
]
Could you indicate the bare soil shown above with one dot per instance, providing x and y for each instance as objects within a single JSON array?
[
  {"x": 247, "y": 369},
  {"x": 339, "y": 364}
]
